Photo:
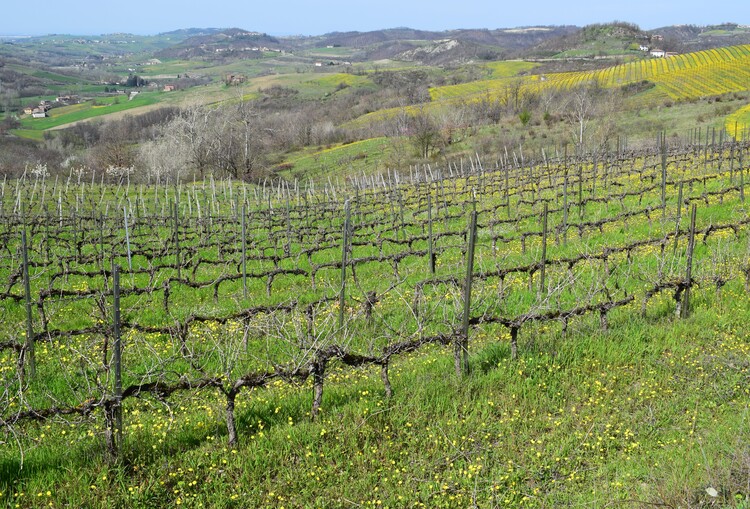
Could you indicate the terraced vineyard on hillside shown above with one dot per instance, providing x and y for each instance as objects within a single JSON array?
[{"x": 687, "y": 76}]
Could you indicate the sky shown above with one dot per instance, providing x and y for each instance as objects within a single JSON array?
[{"x": 305, "y": 17}]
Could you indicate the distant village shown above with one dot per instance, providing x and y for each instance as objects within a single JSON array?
[{"x": 40, "y": 110}]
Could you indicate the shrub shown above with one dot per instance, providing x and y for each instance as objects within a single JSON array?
[{"x": 525, "y": 117}]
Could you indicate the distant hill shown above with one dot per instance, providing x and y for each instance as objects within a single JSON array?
[
  {"x": 509, "y": 39},
  {"x": 222, "y": 44},
  {"x": 451, "y": 51},
  {"x": 184, "y": 33},
  {"x": 431, "y": 47},
  {"x": 591, "y": 41},
  {"x": 365, "y": 39},
  {"x": 687, "y": 38}
]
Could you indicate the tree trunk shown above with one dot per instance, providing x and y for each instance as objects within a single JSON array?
[{"x": 231, "y": 425}]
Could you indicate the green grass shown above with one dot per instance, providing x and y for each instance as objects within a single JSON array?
[
  {"x": 29, "y": 134},
  {"x": 170, "y": 67},
  {"x": 337, "y": 52},
  {"x": 330, "y": 81},
  {"x": 48, "y": 75},
  {"x": 341, "y": 160},
  {"x": 653, "y": 409},
  {"x": 82, "y": 111},
  {"x": 510, "y": 68}
]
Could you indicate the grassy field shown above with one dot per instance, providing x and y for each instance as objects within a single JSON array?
[
  {"x": 336, "y": 52},
  {"x": 339, "y": 161},
  {"x": 45, "y": 75},
  {"x": 89, "y": 109},
  {"x": 632, "y": 406},
  {"x": 509, "y": 68}
]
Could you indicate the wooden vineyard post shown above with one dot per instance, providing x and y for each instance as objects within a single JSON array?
[
  {"x": 393, "y": 211},
  {"x": 244, "y": 251},
  {"x": 685, "y": 308},
  {"x": 663, "y": 175},
  {"x": 430, "y": 248},
  {"x": 565, "y": 207},
  {"x": 713, "y": 139},
  {"x": 705, "y": 151},
  {"x": 113, "y": 409},
  {"x": 127, "y": 237},
  {"x": 507, "y": 191},
  {"x": 344, "y": 249},
  {"x": 76, "y": 244},
  {"x": 679, "y": 218},
  {"x": 741, "y": 169},
  {"x": 117, "y": 354},
  {"x": 461, "y": 346},
  {"x": 28, "y": 349},
  {"x": 177, "y": 241},
  {"x": 595, "y": 175},
  {"x": 580, "y": 190},
  {"x": 401, "y": 215},
  {"x": 732, "y": 144},
  {"x": 288, "y": 245},
  {"x": 699, "y": 143},
  {"x": 46, "y": 235},
  {"x": 543, "y": 263},
  {"x": 101, "y": 242}
]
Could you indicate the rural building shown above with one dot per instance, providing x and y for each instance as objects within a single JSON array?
[
  {"x": 39, "y": 113},
  {"x": 67, "y": 99},
  {"x": 658, "y": 53},
  {"x": 234, "y": 79},
  {"x": 644, "y": 48},
  {"x": 169, "y": 88}
]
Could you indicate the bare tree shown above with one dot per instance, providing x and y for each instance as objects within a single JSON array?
[
  {"x": 164, "y": 159},
  {"x": 581, "y": 110},
  {"x": 225, "y": 141},
  {"x": 424, "y": 133}
]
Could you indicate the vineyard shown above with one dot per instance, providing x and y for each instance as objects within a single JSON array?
[
  {"x": 737, "y": 123},
  {"x": 126, "y": 306},
  {"x": 675, "y": 78},
  {"x": 679, "y": 77}
]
